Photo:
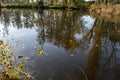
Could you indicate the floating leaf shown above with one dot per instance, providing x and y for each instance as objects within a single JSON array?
[
  {"x": 1, "y": 42},
  {"x": 71, "y": 55},
  {"x": 26, "y": 57},
  {"x": 40, "y": 52}
]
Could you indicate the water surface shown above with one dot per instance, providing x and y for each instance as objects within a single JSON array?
[{"x": 75, "y": 45}]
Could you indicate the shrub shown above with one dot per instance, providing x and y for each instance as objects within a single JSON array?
[{"x": 9, "y": 68}]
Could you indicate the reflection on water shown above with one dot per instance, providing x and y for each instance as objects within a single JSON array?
[{"x": 63, "y": 45}]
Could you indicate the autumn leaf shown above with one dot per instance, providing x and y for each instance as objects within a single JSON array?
[
  {"x": 26, "y": 58},
  {"x": 40, "y": 52}
]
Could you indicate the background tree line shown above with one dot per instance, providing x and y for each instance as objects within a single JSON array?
[{"x": 46, "y": 2}]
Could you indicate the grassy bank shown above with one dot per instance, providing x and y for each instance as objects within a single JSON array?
[
  {"x": 73, "y": 6},
  {"x": 18, "y": 5}
]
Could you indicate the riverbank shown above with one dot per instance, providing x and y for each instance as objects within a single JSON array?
[
  {"x": 84, "y": 5},
  {"x": 105, "y": 10}
]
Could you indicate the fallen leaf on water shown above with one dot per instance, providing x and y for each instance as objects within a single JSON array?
[
  {"x": 71, "y": 55},
  {"x": 40, "y": 52},
  {"x": 26, "y": 57}
]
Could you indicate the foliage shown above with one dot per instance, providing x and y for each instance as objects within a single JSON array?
[{"x": 9, "y": 68}]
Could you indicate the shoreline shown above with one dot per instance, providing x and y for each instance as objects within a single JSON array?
[{"x": 47, "y": 6}]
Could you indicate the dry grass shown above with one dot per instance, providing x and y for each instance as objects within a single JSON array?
[{"x": 102, "y": 9}]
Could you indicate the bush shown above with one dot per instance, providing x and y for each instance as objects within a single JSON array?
[{"x": 8, "y": 70}]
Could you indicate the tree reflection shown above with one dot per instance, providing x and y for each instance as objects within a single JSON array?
[
  {"x": 40, "y": 29},
  {"x": 94, "y": 55},
  {"x": 17, "y": 18},
  {"x": 56, "y": 27},
  {"x": 103, "y": 55},
  {"x": 59, "y": 28}
]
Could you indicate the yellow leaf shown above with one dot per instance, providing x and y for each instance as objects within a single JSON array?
[
  {"x": 40, "y": 52},
  {"x": 1, "y": 42}
]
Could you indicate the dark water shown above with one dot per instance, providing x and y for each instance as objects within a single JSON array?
[{"x": 75, "y": 45}]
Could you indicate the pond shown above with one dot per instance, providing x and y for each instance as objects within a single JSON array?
[{"x": 63, "y": 45}]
